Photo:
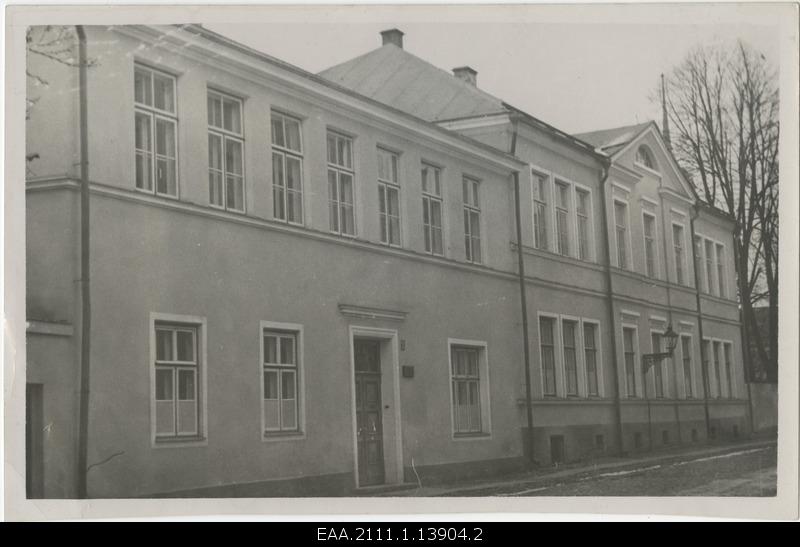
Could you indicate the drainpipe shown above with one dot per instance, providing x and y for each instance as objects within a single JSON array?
[
  {"x": 524, "y": 302},
  {"x": 86, "y": 310},
  {"x": 610, "y": 301},
  {"x": 703, "y": 363}
]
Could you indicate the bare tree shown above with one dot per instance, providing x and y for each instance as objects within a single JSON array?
[{"x": 723, "y": 105}]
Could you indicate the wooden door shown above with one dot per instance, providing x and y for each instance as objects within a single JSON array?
[{"x": 369, "y": 426}]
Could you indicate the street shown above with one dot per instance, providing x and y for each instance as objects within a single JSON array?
[{"x": 743, "y": 472}]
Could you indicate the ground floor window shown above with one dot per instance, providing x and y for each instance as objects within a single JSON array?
[
  {"x": 469, "y": 387},
  {"x": 280, "y": 365}
]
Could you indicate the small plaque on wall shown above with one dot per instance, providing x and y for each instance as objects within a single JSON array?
[{"x": 408, "y": 371}]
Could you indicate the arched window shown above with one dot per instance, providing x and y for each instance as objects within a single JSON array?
[{"x": 645, "y": 157}]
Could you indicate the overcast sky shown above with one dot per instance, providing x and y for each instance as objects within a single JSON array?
[{"x": 570, "y": 71}]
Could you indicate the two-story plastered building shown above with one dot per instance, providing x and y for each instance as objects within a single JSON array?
[{"x": 306, "y": 284}]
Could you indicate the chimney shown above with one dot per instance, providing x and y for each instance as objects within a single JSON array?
[
  {"x": 467, "y": 74},
  {"x": 393, "y": 36}
]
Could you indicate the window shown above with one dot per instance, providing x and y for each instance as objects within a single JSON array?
[
  {"x": 570, "y": 359},
  {"x": 698, "y": 255},
  {"x": 547, "y": 346},
  {"x": 562, "y": 218},
  {"x": 539, "y": 211},
  {"x": 582, "y": 208},
  {"x": 686, "y": 353},
  {"x": 177, "y": 397},
  {"x": 225, "y": 152},
  {"x": 717, "y": 376},
  {"x": 388, "y": 197},
  {"x": 645, "y": 157},
  {"x": 280, "y": 382},
  {"x": 649, "y": 224},
  {"x": 710, "y": 265},
  {"x": 432, "y": 209},
  {"x": 621, "y": 223},
  {"x": 340, "y": 184},
  {"x": 590, "y": 356},
  {"x": 472, "y": 220},
  {"x": 721, "y": 269},
  {"x": 677, "y": 245},
  {"x": 287, "y": 168},
  {"x": 465, "y": 371},
  {"x": 657, "y": 369},
  {"x": 705, "y": 351},
  {"x": 628, "y": 340},
  {"x": 155, "y": 122},
  {"x": 729, "y": 370}
]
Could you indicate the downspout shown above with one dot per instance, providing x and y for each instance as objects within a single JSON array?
[
  {"x": 86, "y": 310},
  {"x": 610, "y": 301},
  {"x": 524, "y": 302},
  {"x": 703, "y": 363}
]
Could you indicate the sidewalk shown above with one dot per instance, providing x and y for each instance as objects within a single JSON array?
[{"x": 550, "y": 475}]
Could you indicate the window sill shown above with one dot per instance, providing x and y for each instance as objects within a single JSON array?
[
  {"x": 178, "y": 442},
  {"x": 477, "y": 436},
  {"x": 268, "y": 436}
]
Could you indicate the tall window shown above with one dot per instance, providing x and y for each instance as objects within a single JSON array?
[
  {"x": 176, "y": 381},
  {"x": 539, "y": 211},
  {"x": 280, "y": 381},
  {"x": 710, "y": 265},
  {"x": 466, "y": 389},
  {"x": 155, "y": 131},
  {"x": 225, "y": 152},
  {"x": 628, "y": 340},
  {"x": 688, "y": 377},
  {"x": 590, "y": 356},
  {"x": 649, "y": 222},
  {"x": 582, "y": 208},
  {"x": 562, "y": 218},
  {"x": 570, "y": 360},
  {"x": 721, "y": 269},
  {"x": 698, "y": 256},
  {"x": 717, "y": 375},
  {"x": 472, "y": 220},
  {"x": 657, "y": 370},
  {"x": 621, "y": 223},
  {"x": 432, "y": 208},
  {"x": 547, "y": 346},
  {"x": 645, "y": 157},
  {"x": 677, "y": 246},
  {"x": 340, "y": 184},
  {"x": 388, "y": 197},
  {"x": 705, "y": 351},
  {"x": 287, "y": 168},
  {"x": 728, "y": 369}
]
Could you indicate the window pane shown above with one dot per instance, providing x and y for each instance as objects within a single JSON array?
[
  {"x": 289, "y": 415},
  {"x": 270, "y": 349},
  {"x": 214, "y": 110},
  {"x": 142, "y": 86},
  {"x": 277, "y": 130},
  {"x": 164, "y": 390},
  {"x": 185, "y": 345},
  {"x": 164, "y": 92},
  {"x": 232, "y": 116},
  {"x": 187, "y": 417},
  {"x": 164, "y": 345},
  {"x": 233, "y": 156},
  {"x": 278, "y": 192},
  {"x": 287, "y": 350},
  {"x": 165, "y": 417},
  {"x": 293, "y": 141},
  {"x": 287, "y": 384},
  {"x": 186, "y": 385},
  {"x": 235, "y": 195},
  {"x": 293, "y": 173},
  {"x": 270, "y": 384},
  {"x": 332, "y": 149}
]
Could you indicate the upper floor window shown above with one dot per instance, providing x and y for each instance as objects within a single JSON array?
[
  {"x": 698, "y": 255},
  {"x": 621, "y": 224},
  {"x": 388, "y": 197},
  {"x": 340, "y": 184},
  {"x": 562, "y": 218},
  {"x": 155, "y": 122},
  {"x": 645, "y": 157},
  {"x": 472, "y": 219},
  {"x": 287, "y": 168},
  {"x": 432, "y": 208},
  {"x": 548, "y": 354},
  {"x": 680, "y": 260},
  {"x": 650, "y": 249},
  {"x": 710, "y": 265},
  {"x": 539, "y": 211},
  {"x": 720, "y": 256},
  {"x": 582, "y": 210},
  {"x": 225, "y": 152}
]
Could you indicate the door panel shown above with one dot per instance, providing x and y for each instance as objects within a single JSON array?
[{"x": 368, "y": 412}]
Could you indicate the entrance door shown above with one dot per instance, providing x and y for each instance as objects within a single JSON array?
[{"x": 369, "y": 430}]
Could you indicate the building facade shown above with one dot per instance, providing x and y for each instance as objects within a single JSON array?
[{"x": 301, "y": 285}]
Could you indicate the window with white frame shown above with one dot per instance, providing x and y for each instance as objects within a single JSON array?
[
  {"x": 388, "y": 197},
  {"x": 717, "y": 374},
  {"x": 155, "y": 121},
  {"x": 590, "y": 359},
  {"x": 705, "y": 355},
  {"x": 177, "y": 378},
  {"x": 621, "y": 225},
  {"x": 629, "y": 350},
  {"x": 340, "y": 184},
  {"x": 280, "y": 381},
  {"x": 650, "y": 250},
  {"x": 468, "y": 389},
  {"x": 677, "y": 246},
  {"x": 720, "y": 257},
  {"x": 472, "y": 219},
  {"x": 432, "y": 208},
  {"x": 658, "y": 372},
  {"x": 583, "y": 208},
  {"x": 688, "y": 373},
  {"x": 225, "y": 152},
  {"x": 698, "y": 255},
  {"x": 287, "y": 168},
  {"x": 562, "y": 191},
  {"x": 710, "y": 265},
  {"x": 540, "y": 211},
  {"x": 569, "y": 334},
  {"x": 727, "y": 351},
  {"x": 548, "y": 350}
]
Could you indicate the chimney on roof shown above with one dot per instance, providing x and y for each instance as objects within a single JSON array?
[
  {"x": 393, "y": 36},
  {"x": 467, "y": 74}
]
